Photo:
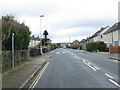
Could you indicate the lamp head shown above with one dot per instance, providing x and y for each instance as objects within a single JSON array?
[{"x": 41, "y": 15}]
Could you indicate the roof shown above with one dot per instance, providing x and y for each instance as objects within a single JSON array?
[
  {"x": 116, "y": 26},
  {"x": 94, "y": 35},
  {"x": 83, "y": 40},
  {"x": 35, "y": 38},
  {"x": 75, "y": 41}
]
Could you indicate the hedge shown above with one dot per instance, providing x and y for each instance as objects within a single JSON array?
[{"x": 96, "y": 46}]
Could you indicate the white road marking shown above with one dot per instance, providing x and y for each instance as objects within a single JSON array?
[
  {"x": 96, "y": 68},
  {"x": 77, "y": 57},
  {"x": 57, "y": 52},
  {"x": 89, "y": 65},
  {"x": 116, "y": 61},
  {"x": 63, "y": 52},
  {"x": 114, "y": 82}
]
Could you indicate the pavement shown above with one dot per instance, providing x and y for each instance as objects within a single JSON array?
[
  {"x": 70, "y": 68},
  {"x": 18, "y": 77},
  {"x": 111, "y": 56}
]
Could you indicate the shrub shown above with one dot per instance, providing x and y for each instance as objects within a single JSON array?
[
  {"x": 96, "y": 46},
  {"x": 101, "y": 46},
  {"x": 91, "y": 46},
  {"x": 21, "y": 34}
]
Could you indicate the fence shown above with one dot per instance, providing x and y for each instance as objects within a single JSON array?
[
  {"x": 114, "y": 49},
  {"x": 20, "y": 56},
  {"x": 34, "y": 52}
]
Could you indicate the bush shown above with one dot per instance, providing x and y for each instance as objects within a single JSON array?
[
  {"x": 101, "y": 46},
  {"x": 21, "y": 34},
  {"x": 75, "y": 47},
  {"x": 96, "y": 46},
  {"x": 91, "y": 46}
]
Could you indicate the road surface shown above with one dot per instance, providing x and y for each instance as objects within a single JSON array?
[{"x": 69, "y": 68}]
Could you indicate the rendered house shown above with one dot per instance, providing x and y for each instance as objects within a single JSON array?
[
  {"x": 112, "y": 36},
  {"x": 34, "y": 41},
  {"x": 98, "y": 36}
]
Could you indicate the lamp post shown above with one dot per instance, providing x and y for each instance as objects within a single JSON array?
[
  {"x": 13, "y": 64},
  {"x": 40, "y": 45}
]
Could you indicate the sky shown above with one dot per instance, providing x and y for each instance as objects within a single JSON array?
[{"x": 65, "y": 20}]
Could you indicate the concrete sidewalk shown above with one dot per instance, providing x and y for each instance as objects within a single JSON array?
[
  {"x": 17, "y": 78},
  {"x": 111, "y": 56}
]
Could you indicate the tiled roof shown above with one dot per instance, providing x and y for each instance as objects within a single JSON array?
[
  {"x": 113, "y": 28},
  {"x": 98, "y": 32},
  {"x": 83, "y": 40},
  {"x": 35, "y": 38}
]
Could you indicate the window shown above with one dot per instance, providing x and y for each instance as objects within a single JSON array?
[{"x": 115, "y": 43}]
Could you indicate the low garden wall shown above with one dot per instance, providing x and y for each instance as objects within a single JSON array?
[{"x": 114, "y": 49}]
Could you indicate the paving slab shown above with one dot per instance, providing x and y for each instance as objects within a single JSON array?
[{"x": 16, "y": 78}]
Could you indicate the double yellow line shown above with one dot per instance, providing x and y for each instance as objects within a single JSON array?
[
  {"x": 38, "y": 77},
  {"x": 109, "y": 76}
]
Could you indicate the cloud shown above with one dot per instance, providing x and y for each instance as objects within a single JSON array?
[{"x": 63, "y": 18}]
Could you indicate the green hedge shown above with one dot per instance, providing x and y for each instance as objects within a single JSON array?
[
  {"x": 20, "y": 56},
  {"x": 96, "y": 46}
]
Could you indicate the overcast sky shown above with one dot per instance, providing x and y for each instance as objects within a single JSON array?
[{"x": 65, "y": 20}]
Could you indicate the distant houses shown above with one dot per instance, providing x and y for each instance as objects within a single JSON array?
[
  {"x": 34, "y": 41},
  {"x": 98, "y": 36},
  {"x": 109, "y": 35},
  {"x": 83, "y": 44},
  {"x": 75, "y": 44}
]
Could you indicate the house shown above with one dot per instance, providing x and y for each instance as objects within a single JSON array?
[
  {"x": 34, "y": 41},
  {"x": 63, "y": 45},
  {"x": 75, "y": 44},
  {"x": 98, "y": 36},
  {"x": 83, "y": 44},
  {"x": 112, "y": 36}
]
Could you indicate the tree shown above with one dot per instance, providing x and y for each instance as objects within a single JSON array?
[
  {"x": 45, "y": 35},
  {"x": 20, "y": 30}
]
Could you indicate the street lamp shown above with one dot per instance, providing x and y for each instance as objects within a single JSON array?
[
  {"x": 13, "y": 64},
  {"x": 40, "y": 48}
]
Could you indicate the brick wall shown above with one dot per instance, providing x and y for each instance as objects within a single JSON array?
[{"x": 114, "y": 49}]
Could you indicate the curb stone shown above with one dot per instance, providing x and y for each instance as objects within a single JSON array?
[
  {"x": 26, "y": 81},
  {"x": 16, "y": 68}
]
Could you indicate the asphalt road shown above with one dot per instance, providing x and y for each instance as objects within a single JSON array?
[{"x": 70, "y": 68}]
